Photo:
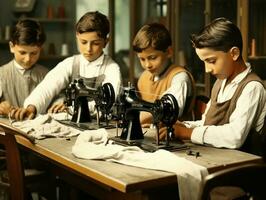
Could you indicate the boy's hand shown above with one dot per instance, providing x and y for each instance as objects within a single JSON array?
[
  {"x": 56, "y": 108},
  {"x": 23, "y": 113},
  {"x": 5, "y": 108},
  {"x": 180, "y": 132}
]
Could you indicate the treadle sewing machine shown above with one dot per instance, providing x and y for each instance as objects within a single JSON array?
[
  {"x": 78, "y": 95},
  {"x": 164, "y": 110}
]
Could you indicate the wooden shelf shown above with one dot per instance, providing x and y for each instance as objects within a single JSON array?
[
  {"x": 47, "y": 20},
  {"x": 4, "y": 42},
  {"x": 52, "y": 57},
  {"x": 256, "y": 57}
]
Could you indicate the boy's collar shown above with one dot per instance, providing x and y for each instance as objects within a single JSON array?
[
  {"x": 242, "y": 75},
  {"x": 21, "y": 69},
  {"x": 96, "y": 62}
]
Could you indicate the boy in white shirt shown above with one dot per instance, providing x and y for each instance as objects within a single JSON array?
[
  {"x": 234, "y": 117},
  {"x": 92, "y": 36}
]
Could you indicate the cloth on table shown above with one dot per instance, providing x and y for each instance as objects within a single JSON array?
[
  {"x": 44, "y": 126},
  {"x": 95, "y": 145}
]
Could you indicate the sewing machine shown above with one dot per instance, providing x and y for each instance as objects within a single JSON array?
[
  {"x": 164, "y": 111},
  {"x": 78, "y": 95}
]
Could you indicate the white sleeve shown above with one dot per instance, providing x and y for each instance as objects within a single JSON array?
[
  {"x": 180, "y": 87},
  {"x": 56, "y": 80},
  {"x": 250, "y": 106},
  {"x": 113, "y": 76}
]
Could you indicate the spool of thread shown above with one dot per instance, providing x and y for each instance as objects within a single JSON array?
[
  {"x": 64, "y": 49},
  {"x": 253, "y": 48},
  {"x": 7, "y": 32}
]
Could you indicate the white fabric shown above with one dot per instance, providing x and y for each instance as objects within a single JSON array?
[
  {"x": 250, "y": 108},
  {"x": 181, "y": 88},
  {"x": 59, "y": 78},
  {"x": 94, "y": 145},
  {"x": 45, "y": 126}
]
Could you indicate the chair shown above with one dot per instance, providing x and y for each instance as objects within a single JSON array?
[
  {"x": 248, "y": 180},
  {"x": 200, "y": 106},
  {"x": 18, "y": 182}
]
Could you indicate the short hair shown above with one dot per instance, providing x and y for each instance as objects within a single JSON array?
[
  {"x": 220, "y": 35},
  {"x": 28, "y": 32},
  {"x": 153, "y": 35},
  {"x": 94, "y": 21}
]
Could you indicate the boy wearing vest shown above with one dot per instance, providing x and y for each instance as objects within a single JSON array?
[
  {"x": 153, "y": 46},
  {"x": 234, "y": 116},
  {"x": 21, "y": 75},
  {"x": 91, "y": 64}
]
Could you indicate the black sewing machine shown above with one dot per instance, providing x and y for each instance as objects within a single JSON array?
[
  {"x": 78, "y": 95},
  {"x": 164, "y": 110}
]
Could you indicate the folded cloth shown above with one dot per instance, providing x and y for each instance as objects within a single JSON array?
[
  {"x": 44, "y": 126},
  {"x": 93, "y": 144}
]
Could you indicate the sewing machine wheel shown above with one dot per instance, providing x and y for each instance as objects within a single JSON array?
[
  {"x": 108, "y": 95},
  {"x": 170, "y": 109}
]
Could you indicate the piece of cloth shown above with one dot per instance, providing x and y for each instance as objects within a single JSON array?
[
  {"x": 16, "y": 83},
  {"x": 250, "y": 105},
  {"x": 95, "y": 145},
  {"x": 60, "y": 76},
  {"x": 44, "y": 126},
  {"x": 176, "y": 81}
]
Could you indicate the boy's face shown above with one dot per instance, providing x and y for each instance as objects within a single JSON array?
[
  {"x": 25, "y": 55},
  {"x": 154, "y": 60},
  {"x": 90, "y": 45},
  {"x": 218, "y": 63}
]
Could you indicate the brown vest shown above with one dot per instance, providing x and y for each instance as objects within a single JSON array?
[
  {"x": 219, "y": 114},
  {"x": 152, "y": 90}
]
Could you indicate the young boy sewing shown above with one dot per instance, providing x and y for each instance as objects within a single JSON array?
[
  {"x": 235, "y": 114},
  {"x": 21, "y": 75},
  {"x": 152, "y": 44},
  {"x": 91, "y": 64}
]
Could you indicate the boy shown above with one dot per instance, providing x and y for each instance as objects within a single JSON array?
[
  {"x": 152, "y": 44},
  {"x": 91, "y": 34},
  {"x": 235, "y": 114},
  {"x": 21, "y": 75}
]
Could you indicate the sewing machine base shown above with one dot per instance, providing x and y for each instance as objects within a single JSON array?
[
  {"x": 149, "y": 145},
  {"x": 88, "y": 125}
]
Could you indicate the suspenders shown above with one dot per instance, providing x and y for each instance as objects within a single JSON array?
[{"x": 93, "y": 82}]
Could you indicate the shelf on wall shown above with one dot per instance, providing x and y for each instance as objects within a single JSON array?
[
  {"x": 52, "y": 57},
  {"x": 256, "y": 57},
  {"x": 48, "y": 20},
  {"x": 4, "y": 41}
]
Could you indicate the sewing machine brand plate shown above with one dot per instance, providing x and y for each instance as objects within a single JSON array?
[
  {"x": 149, "y": 144},
  {"x": 87, "y": 126}
]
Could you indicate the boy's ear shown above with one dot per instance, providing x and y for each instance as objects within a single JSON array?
[
  {"x": 106, "y": 41},
  {"x": 170, "y": 51},
  {"x": 235, "y": 53},
  {"x": 11, "y": 47}
]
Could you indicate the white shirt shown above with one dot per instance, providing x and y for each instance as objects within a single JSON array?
[
  {"x": 181, "y": 88},
  {"x": 250, "y": 109},
  {"x": 60, "y": 76}
]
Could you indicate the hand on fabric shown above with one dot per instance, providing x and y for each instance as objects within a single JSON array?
[
  {"x": 57, "y": 107},
  {"x": 20, "y": 114},
  {"x": 5, "y": 108},
  {"x": 180, "y": 132}
]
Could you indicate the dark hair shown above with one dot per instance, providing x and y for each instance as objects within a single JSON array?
[
  {"x": 28, "y": 32},
  {"x": 93, "y": 21},
  {"x": 220, "y": 35},
  {"x": 153, "y": 35}
]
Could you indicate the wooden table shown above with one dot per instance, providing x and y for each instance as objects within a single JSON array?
[{"x": 107, "y": 180}]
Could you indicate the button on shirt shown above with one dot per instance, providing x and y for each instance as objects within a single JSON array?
[{"x": 250, "y": 105}]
